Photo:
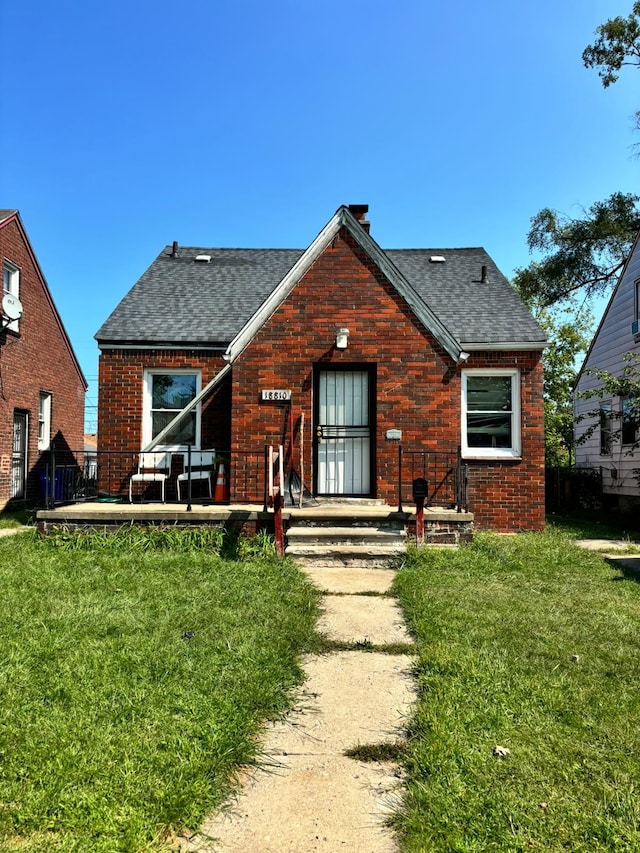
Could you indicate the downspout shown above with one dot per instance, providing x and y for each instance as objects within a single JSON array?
[{"x": 187, "y": 409}]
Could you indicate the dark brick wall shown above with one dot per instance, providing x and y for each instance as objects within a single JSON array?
[{"x": 36, "y": 359}]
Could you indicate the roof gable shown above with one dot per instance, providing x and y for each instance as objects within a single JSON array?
[
  {"x": 220, "y": 302},
  {"x": 627, "y": 278},
  {"x": 8, "y": 216},
  {"x": 344, "y": 218}
]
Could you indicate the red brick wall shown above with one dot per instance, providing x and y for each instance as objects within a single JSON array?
[
  {"x": 120, "y": 402},
  {"x": 418, "y": 389},
  {"x": 36, "y": 359},
  {"x": 418, "y": 386}
]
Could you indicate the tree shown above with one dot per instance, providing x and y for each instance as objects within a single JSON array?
[
  {"x": 569, "y": 328},
  {"x": 618, "y": 44},
  {"x": 579, "y": 255},
  {"x": 586, "y": 254}
]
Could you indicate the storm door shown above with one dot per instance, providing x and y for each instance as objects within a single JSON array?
[
  {"x": 343, "y": 444},
  {"x": 19, "y": 455}
]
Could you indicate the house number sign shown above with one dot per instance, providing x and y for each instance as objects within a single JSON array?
[{"x": 277, "y": 394}]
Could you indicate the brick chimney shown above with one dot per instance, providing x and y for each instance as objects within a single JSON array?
[{"x": 360, "y": 211}]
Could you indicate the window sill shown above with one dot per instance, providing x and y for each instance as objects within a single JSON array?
[{"x": 493, "y": 457}]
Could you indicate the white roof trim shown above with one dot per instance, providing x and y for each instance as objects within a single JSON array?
[{"x": 343, "y": 217}]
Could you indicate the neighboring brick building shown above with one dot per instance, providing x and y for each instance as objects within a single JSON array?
[
  {"x": 430, "y": 345},
  {"x": 42, "y": 387}
]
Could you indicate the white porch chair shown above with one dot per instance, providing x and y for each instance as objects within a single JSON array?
[
  {"x": 153, "y": 467},
  {"x": 202, "y": 462}
]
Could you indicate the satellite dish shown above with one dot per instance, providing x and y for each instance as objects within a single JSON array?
[{"x": 11, "y": 307}]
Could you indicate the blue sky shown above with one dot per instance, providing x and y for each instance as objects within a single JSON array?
[{"x": 127, "y": 125}]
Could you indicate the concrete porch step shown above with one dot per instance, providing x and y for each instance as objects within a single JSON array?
[
  {"x": 367, "y": 556},
  {"x": 304, "y": 536}
]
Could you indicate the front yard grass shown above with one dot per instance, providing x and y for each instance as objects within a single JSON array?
[
  {"x": 531, "y": 644},
  {"x": 133, "y": 681}
]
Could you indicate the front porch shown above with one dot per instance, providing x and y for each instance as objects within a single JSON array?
[{"x": 441, "y": 526}]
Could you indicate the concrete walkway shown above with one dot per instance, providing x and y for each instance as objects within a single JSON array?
[
  {"x": 309, "y": 796},
  {"x": 622, "y": 554}
]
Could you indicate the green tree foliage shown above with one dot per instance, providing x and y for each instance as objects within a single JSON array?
[
  {"x": 586, "y": 254},
  {"x": 583, "y": 255},
  {"x": 569, "y": 328},
  {"x": 618, "y": 44}
]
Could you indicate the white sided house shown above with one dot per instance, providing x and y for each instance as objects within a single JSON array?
[{"x": 606, "y": 427}]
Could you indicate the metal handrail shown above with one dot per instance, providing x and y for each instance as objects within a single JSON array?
[{"x": 444, "y": 471}]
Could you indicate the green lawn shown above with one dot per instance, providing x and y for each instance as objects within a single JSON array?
[
  {"x": 134, "y": 676},
  {"x": 528, "y": 643}
]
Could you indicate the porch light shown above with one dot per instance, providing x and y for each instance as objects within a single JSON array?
[{"x": 342, "y": 338}]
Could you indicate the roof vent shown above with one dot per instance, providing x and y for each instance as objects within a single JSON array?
[
  {"x": 203, "y": 259},
  {"x": 436, "y": 259}
]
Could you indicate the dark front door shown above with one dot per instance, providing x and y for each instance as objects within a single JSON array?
[
  {"x": 344, "y": 415},
  {"x": 19, "y": 455}
]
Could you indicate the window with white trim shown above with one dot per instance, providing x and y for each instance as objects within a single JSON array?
[
  {"x": 165, "y": 395},
  {"x": 491, "y": 413},
  {"x": 44, "y": 420},
  {"x": 606, "y": 439},
  {"x": 629, "y": 414},
  {"x": 11, "y": 284}
]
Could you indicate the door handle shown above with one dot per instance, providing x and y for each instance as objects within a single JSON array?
[{"x": 319, "y": 431}]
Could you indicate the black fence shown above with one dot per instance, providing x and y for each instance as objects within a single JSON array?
[
  {"x": 110, "y": 476},
  {"x": 443, "y": 476},
  {"x": 571, "y": 489}
]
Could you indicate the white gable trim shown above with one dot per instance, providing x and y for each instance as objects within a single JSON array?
[
  {"x": 585, "y": 361},
  {"x": 343, "y": 217}
]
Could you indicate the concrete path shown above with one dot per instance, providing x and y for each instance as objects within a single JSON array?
[
  {"x": 309, "y": 796},
  {"x": 622, "y": 554},
  {"x": 11, "y": 531}
]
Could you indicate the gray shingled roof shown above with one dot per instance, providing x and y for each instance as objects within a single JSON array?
[{"x": 181, "y": 301}]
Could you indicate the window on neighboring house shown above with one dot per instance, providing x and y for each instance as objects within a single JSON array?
[
  {"x": 629, "y": 413},
  {"x": 166, "y": 394},
  {"x": 491, "y": 413},
  {"x": 605, "y": 429},
  {"x": 11, "y": 284},
  {"x": 636, "y": 307},
  {"x": 44, "y": 420}
]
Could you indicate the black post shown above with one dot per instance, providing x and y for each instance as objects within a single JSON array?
[
  {"x": 188, "y": 478},
  {"x": 400, "y": 478},
  {"x": 266, "y": 477},
  {"x": 51, "y": 493}
]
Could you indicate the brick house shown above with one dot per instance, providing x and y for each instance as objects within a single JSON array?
[
  {"x": 43, "y": 387},
  {"x": 365, "y": 347}
]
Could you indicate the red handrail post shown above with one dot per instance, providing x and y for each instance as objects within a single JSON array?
[
  {"x": 278, "y": 530},
  {"x": 419, "y": 521}
]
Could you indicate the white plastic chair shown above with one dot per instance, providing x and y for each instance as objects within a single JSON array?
[
  {"x": 153, "y": 467},
  {"x": 202, "y": 462}
]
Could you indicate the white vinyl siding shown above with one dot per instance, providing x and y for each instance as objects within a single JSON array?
[{"x": 614, "y": 338}]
